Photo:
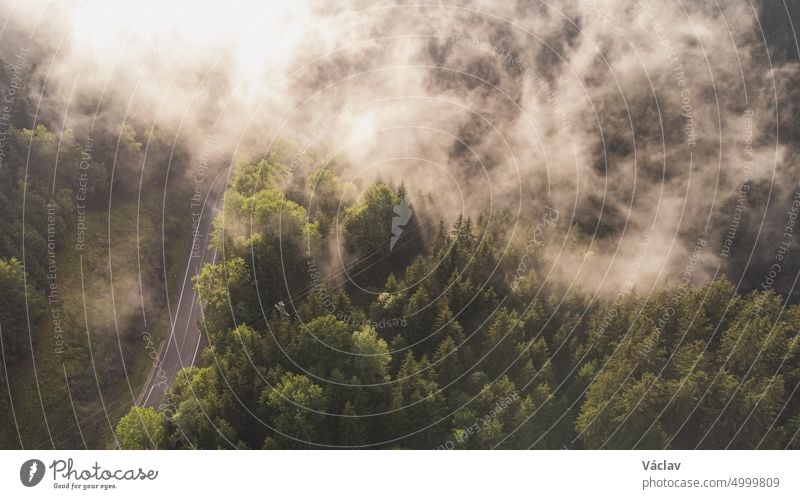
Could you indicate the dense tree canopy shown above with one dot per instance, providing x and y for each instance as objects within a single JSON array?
[
  {"x": 450, "y": 354},
  {"x": 142, "y": 428},
  {"x": 16, "y": 301}
]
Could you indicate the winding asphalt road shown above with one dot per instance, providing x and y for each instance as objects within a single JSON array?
[{"x": 182, "y": 346}]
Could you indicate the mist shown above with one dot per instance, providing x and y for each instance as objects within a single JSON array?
[{"x": 638, "y": 123}]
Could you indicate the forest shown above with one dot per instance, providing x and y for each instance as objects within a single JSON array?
[
  {"x": 80, "y": 258},
  {"x": 437, "y": 227},
  {"x": 440, "y": 342}
]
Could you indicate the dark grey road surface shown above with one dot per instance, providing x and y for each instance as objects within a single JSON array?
[{"x": 184, "y": 341}]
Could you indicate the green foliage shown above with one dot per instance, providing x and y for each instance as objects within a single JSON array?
[
  {"x": 295, "y": 406},
  {"x": 224, "y": 290},
  {"x": 469, "y": 361},
  {"x": 17, "y": 305},
  {"x": 141, "y": 428},
  {"x": 368, "y": 224}
]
